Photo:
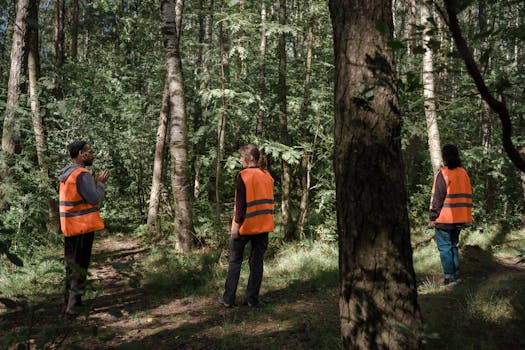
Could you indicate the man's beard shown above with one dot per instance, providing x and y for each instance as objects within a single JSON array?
[{"x": 88, "y": 162}]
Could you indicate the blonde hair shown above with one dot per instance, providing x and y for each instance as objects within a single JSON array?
[{"x": 251, "y": 152}]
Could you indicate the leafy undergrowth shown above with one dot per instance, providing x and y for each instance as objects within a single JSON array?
[{"x": 149, "y": 298}]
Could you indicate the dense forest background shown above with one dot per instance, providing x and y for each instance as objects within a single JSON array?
[{"x": 252, "y": 72}]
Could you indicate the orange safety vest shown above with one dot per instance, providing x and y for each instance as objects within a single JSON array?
[
  {"x": 457, "y": 206},
  {"x": 76, "y": 215},
  {"x": 259, "y": 202}
]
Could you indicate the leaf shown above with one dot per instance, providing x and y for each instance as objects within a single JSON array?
[
  {"x": 9, "y": 303},
  {"x": 115, "y": 313},
  {"x": 396, "y": 45},
  {"x": 14, "y": 259},
  {"x": 381, "y": 27},
  {"x": 418, "y": 50}
]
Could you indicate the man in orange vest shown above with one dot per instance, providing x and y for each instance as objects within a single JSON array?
[
  {"x": 80, "y": 197},
  {"x": 450, "y": 210},
  {"x": 252, "y": 221}
]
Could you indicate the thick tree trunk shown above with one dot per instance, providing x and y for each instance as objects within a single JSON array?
[
  {"x": 259, "y": 129},
  {"x": 434, "y": 142},
  {"x": 378, "y": 301},
  {"x": 17, "y": 64},
  {"x": 171, "y": 14},
  {"x": 159, "y": 163},
  {"x": 286, "y": 181}
]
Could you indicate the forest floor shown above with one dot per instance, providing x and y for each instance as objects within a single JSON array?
[{"x": 299, "y": 315}]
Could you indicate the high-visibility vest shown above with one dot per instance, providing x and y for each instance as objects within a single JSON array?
[
  {"x": 259, "y": 202},
  {"x": 76, "y": 215},
  {"x": 457, "y": 206}
]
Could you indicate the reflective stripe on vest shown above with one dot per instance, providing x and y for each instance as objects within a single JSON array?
[
  {"x": 259, "y": 202},
  {"x": 76, "y": 215},
  {"x": 457, "y": 206}
]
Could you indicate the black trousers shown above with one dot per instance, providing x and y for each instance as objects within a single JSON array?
[
  {"x": 77, "y": 255},
  {"x": 259, "y": 245}
]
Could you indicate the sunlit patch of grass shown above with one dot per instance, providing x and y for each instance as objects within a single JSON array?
[
  {"x": 496, "y": 301},
  {"x": 302, "y": 262},
  {"x": 426, "y": 259}
]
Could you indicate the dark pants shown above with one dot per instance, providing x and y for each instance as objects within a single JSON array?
[
  {"x": 77, "y": 254},
  {"x": 259, "y": 245}
]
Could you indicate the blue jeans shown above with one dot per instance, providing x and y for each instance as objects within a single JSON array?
[{"x": 447, "y": 244}]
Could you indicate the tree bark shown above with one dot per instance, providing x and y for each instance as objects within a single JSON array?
[
  {"x": 74, "y": 30},
  {"x": 434, "y": 142},
  {"x": 259, "y": 129},
  {"x": 17, "y": 65},
  {"x": 171, "y": 14},
  {"x": 412, "y": 27},
  {"x": 307, "y": 160},
  {"x": 201, "y": 79},
  {"x": 60, "y": 7},
  {"x": 283, "y": 126},
  {"x": 33, "y": 67},
  {"x": 224, "y": 45},
  {"x": 378, "y": 301},
  {"x": 159, "y": 163}
]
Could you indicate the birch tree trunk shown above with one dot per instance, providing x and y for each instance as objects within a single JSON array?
[
  {"x": 171, "y": 15},
  {"x": 378, "y": 297},
  {"x": 159, "y": 163},
  {"x": 16, "y": 69},
  {"x": 434, "y": 143}
]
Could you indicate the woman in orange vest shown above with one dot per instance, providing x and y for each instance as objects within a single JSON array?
[
  {"x": 450, "y": 210},
  {"x": 80, "y": 197},
  {"x": 253, "y": 220}
]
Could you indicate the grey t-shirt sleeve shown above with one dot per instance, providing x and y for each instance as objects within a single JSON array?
[{"x": 91, "y": 192}]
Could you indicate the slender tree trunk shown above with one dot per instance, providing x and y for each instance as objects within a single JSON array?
[
  {"x": 74, "y": 30},
  {"x": 171, "y": 14},
  {"x": 283, "y": 124},
  {"x": 378, "y": 300},
  {"x": 434, "y": 143},
  {"x": 159, "y": 163},
  {"x": 17, "y": 64},
  {"x": 306, "y": 162},
  {"x": 259, "y": 130},
  {"x": 33, "y": 67},
  {"x": 221, "y": 118},
  {"x": 412, "y": 27},
  {"x": 201, "y": 78},
  {"x": 60, "y": 9}
]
